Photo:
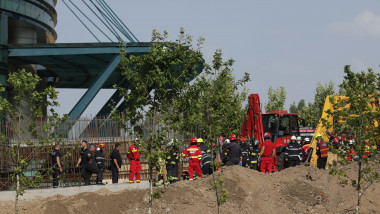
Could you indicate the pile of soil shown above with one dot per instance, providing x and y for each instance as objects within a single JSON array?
[{"x": 294, "y": 190}]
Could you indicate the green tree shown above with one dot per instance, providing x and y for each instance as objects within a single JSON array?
[
  {"x": 276, "y": 99},
  {"x": 210, "y": 107},
  {"x": 155, "y": 79},
  {"x": 21, "y": 113},
  {"x": 297, "y": 108},
  {"x": 359, "y": 114}
]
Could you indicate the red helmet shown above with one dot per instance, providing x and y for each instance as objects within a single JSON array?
[
  {"x": 232, "y": 137},
  {"x": 193, "y": 140},
  {"x": 242, "y": 139},
  {"x": 267, "y": 134},
  {"x": 101, "y": 145},
  {"x": 220, "y": 139}
]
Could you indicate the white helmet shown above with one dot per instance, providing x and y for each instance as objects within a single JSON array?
[
  {"x": 170, "y": 142},
  {"x": 351, "y": 142},
  {"x": 227, "y": 141},
  {"x": 256, "y": 142},
  {"x": 293, "y": 138},
  {"x": 299, "y": 138},
  {"x": 307, "y": 139}
]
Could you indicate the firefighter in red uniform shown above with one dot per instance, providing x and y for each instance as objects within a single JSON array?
[
  {"x": 268, "y": 150},
  {"x": 194, "y": 156},
  {"x": 351, "y": 154},
  {"x": 306, "y": 148},
  {"x": 134, "y": 156},
  {"x": 322, "y": 152}
]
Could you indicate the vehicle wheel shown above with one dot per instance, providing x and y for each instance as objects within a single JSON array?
[{"x": 280, "y": 161}]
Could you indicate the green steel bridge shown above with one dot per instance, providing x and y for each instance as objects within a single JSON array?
[{"x": 27, "y": 39}]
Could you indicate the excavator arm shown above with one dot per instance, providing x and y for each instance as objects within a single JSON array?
[{"x": 253, "y": 125}]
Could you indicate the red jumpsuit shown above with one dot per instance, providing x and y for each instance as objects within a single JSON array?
[
  {"x": 266, "y": 159},
  {"x": 305, "y": 151},
  {"x": 194, "y": 154},
  {"x": 134, "y": 156}
]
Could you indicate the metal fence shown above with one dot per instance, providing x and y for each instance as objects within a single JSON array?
[{"x": 92, "y": 130}]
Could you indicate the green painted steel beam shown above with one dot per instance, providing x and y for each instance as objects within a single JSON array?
[
  {"x": 3, "y": 48},
  {"x": 56, "y": 51},
  {"x": 94, "y": 89}
]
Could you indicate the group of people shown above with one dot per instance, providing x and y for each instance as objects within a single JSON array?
[
  {"x": 198, "y": 154},
  {"x": 92, "y": 161}
]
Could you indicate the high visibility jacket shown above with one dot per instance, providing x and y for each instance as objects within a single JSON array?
[
  {"x": 206, "y": 154},
  {"x": 193, "y": 152},
  {"x": 293, "y": 150},
  {"x": 133, "y": 153},
  {"x": 245, "y": 154},
  {"x": 323, "y": 149},
  {"x": 172, "y": 156},
  {"x": 254, "y": 153}
]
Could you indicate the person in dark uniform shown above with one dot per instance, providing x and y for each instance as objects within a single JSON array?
[
  {"x": 293, "y": 152},
  {"x": 100, "y": 162},
  {"x": 254, "y": 153},
  {"x": 57, "y": 167},
  {"x": 115, "y": 163},
  {"x": 82, "y": 157},
  {"x": 235, "y": 156},
  {"x": 206, "y": 157},
  {"x": 90, "y": 166},
  {"x": 172, "y": 161},
  {"x": 224, "y": 152},
  {"x": 245, "y": 152}
]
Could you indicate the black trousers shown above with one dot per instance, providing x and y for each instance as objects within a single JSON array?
[
  {"x": 99, "y": 178},
  {"x": 321, "y": 163},
  {"x": 232, "y": 162},
  {"x": 115, "y": 175},
  {"x": 254, "y": 166},
  {"x": 293, "y": 161},
  {"x": 206, "y": 169},
  {"x": 172, "y": 172},
  {"x": 89, "y": 170},
  {"x": 56, "y": 176}
]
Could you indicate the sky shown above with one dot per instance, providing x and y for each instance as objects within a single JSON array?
[{"x": 293, "y": 43}]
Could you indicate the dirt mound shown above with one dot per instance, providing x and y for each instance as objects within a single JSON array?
[{"x": 294, "y": 190}]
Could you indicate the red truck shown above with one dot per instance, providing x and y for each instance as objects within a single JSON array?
[{"x": 280, "y": 124}]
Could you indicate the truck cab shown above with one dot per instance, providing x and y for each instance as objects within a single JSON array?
[{"x": 282, "y": 125}]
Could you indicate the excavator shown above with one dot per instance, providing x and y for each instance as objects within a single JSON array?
[
  {"x": 327, "y": 132},
  {"x": 280, "y": 124}
]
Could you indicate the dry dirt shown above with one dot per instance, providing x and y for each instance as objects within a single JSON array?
[{"x": 294, "y": 190}]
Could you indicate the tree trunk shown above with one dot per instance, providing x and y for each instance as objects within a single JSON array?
[
  {"x": 150, "y": 190},
  {"x": 359, "y": 187},
  {"x": 17, "y": 192}
]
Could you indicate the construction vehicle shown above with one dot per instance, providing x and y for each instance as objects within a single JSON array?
[
  {"x": 280, "y": 124},
  {"x": 327, "y": 132}
]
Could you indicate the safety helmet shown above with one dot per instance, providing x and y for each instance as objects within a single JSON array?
[
  {"x": 227, "y": 141},
  {"x": 299, "y": 138},
  {"x": 193, "y": 140},
  {"x": 232, "y": 137},
  {"x": 293, "y": 138},
  {"x": 318, "y": 135},
  {"x": 267, "y": 135},
  {"x": 220, "y": 139},
  {"x": 307, "y": 139},
  {"x": 170, "y": 142},
  {"x": 200, "y": 140},
  {"x": 242, "y": 139},
  {"x": 256, "y": 142},
  {"x": 136, "y": 139},
  {"x": 351, "y": 142},
  {"x": 101, "y": 145}
]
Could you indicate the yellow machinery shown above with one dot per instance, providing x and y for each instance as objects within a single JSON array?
[{"x": 321, "y": 129}]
